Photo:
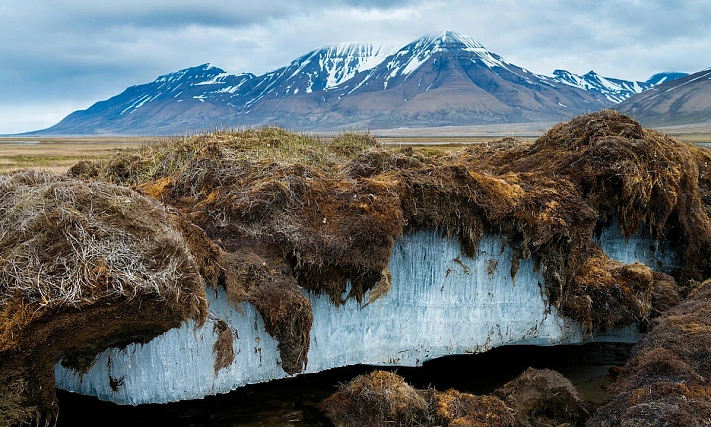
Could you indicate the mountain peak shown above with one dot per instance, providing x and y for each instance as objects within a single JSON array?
[
  {"x": 410, "y": 57},
  {"x": 204, "y": 71},
  {"x": 660, "y": 78},
  {"x": 449, "y": 40},
  {"x": 454, "y": 38}
]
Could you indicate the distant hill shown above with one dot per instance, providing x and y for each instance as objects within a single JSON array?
[
  {"x": 683, "y": 101},
  {"x": 446, "y": 79}
]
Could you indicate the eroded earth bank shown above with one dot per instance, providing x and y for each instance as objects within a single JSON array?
[{"x": 198, "y": 265}]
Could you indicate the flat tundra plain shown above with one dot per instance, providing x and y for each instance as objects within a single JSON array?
[{"x": 58, "y": 154}]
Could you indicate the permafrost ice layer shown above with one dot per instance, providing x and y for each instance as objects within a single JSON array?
[{"x": 440, "y": 303}]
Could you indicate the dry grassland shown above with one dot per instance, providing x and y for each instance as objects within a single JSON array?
[
  {"x": 54, "y": 154},
  {"x": 59, "y": 154}
]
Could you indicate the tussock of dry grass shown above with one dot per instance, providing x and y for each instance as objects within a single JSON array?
[
  {"x": 541, "y": 397},
  {"x": 68, "y": 244},
  {"x": 350, "y": 143},
  {"x": 453, "y": 408},
  {"x": 377, "y": 399},
  {"x": 69, "y": 248}
]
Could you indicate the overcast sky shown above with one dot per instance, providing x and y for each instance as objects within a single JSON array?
[{"x": 57, "y": 56}]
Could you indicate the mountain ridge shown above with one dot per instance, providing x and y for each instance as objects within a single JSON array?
[{"x": 447, "y": 79}]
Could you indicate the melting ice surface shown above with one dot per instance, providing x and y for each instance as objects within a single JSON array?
[{"x": 440, "y": 303}]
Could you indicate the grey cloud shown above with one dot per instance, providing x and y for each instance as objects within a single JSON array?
[{"x": 171, "y": 14}]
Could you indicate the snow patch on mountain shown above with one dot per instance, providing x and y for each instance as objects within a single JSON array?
[
  {"x": 217, "y": 79},
  {"x": 343, "y": 61}
]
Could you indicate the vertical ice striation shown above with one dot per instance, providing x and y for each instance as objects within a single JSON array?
[
  {"x": 440, "y": 303},
  {"x": 642, "y": 248}
]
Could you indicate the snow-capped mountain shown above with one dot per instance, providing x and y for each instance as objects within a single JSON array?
[
  {"x": 399, "y": 67},
  {"x": 675, "y": 102},
  {"x": 172, "y": 103},
  {"x": 442, "y": 79},
  {"x": 201, "y": 83},
  {"x": 615, "y": 90}
]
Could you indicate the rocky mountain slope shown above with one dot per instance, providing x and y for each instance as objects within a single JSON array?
[{"x": 677, "y": 102}]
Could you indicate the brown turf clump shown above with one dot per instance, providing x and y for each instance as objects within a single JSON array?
[
  {"x": 350, "y": 143},
  {"x": 666, "y": 381},
  {"x": 612, "y": 168},
  {"x": 266, "y": 282},
  {"x": 541, "y": 397},
  {"x": 384, "y": 399},
  {"x": 83, "y": 266},
  {"x": 452, "y": 408},
  {"x": 702, "y": 156},
  {"x": 376, "y": 399},
  {"x": 625, "y": 290},
  {"x": 640, "y": 176}
]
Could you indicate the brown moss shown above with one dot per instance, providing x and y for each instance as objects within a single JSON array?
[
  {"x": 609, "y": 293},
  {"x": 267, "y": 283},
  {"x": 205, "y": 252},
  {"x": 223, "y": 349},
  {"x": 14, "y": 405},
  {"x": 664, "y": 293},
  {"x": 702, "y": 157}
]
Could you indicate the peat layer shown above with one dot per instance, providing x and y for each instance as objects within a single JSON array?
[
  {"x": 666, "y": 382},
  {"x": 267, "y": 213}
]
